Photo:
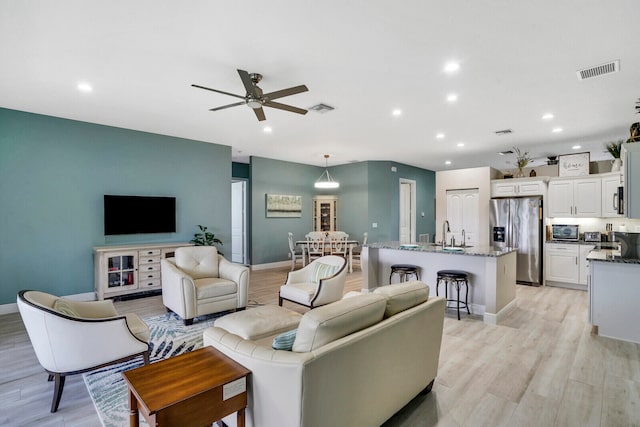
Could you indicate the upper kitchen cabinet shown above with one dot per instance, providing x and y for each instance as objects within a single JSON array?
[
  {"x": 518, "y": 187},
  {"x": 575, "y": 197},
  {"x": 630, "y": 155},
  {"x": 610, "y": 196}
]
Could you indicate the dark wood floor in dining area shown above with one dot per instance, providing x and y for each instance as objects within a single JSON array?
[{"x": 540, "y": 367}]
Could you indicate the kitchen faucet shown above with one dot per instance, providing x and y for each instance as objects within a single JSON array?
[{"x": 445, "y": 230}]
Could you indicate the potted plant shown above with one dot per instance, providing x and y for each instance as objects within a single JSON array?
[
  {"x": 614, "y": 149},
  {"x": 522, "y": 160},
  {"x": 205, "y": 238}
]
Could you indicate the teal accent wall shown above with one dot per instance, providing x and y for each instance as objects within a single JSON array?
[
  {"x": 269, "y": 235},
  {"x": 240, "y": 170},
  {"x": 368, "y": 193},
  {"x": 53, "y": 175}
]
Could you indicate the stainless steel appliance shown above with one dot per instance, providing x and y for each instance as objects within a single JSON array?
[
  {"x": 592, "y": 236},
  {"x": 517, "y": 222},
  {"x": 629, "y": 243},
  {"x": 569, "y": 232},
  {"x": 620, "y": 201}
]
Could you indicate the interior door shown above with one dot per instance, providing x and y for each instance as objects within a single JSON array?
[
  {"x": 463, "y": 214},
  {"x": 238, "y": 221},
  {"x": 407, "y": 214}
]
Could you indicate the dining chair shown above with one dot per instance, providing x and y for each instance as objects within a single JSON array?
[
  {"x": 315, "y": 245},
  {"x": 338, "y": 244},
  {"x": 357, "y": 251},
  {"x": 295, "y": 254}
]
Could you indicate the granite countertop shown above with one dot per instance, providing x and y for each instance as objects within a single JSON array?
[
  {"x": 609, "y": 255},
  {"x": 598, "y": 245},
  {"x": 486, "y": 251}
]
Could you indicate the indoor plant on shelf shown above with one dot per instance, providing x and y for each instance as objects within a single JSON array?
[
  {"x": 614, "y": 149},
  {"x": 522, "y": 160},
  {"x": 205, "y": 238}
]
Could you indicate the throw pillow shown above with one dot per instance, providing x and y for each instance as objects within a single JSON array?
[
  {"x": 285, "y": 340},
  {"x": 62, "y": 306},
  {"x": 322, "y": 271}
]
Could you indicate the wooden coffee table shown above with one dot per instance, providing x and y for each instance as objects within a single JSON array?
[{"x": 193, "y": 389}]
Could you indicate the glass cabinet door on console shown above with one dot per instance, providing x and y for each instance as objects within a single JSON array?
[{"x": 122, "y": 271}]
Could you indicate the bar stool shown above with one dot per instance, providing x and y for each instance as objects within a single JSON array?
[
  {"x": 457, "y": 278},
  {"x": 404, "y": 270}
]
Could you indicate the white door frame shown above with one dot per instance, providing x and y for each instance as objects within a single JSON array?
[
  {"x": 239, "y": 220},
  {"x": 412, "y": 208}
]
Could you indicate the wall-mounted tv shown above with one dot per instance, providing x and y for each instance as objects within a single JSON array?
[{"x": 139, "y": 214}]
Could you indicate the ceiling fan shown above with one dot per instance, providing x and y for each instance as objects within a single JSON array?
[{"x": 255, "y": 99}]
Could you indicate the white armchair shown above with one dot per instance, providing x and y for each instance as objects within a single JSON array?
[
  {"x": 319, "y": 283},
  {"x": 71, "y": 337},
  {"x": 199, "y": 281}
]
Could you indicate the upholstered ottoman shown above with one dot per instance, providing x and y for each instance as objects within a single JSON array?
[{"x": 257, "y": 323}]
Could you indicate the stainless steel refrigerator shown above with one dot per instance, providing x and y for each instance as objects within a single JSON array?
[{"x": 517, "y": 223}]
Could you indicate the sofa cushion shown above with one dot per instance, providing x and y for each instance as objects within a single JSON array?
[
  {"x": 256, "y": 323},
  {"x": 330, "y": 322},
  {"x": 322, "y": 271},
  {"x": 285, "y": 340},
  {"x": 211, "y": 287},
  {"x": 198, "y": 261},
  {"x": 403, "y": 296},
  {"x": 63, "y": 306}
]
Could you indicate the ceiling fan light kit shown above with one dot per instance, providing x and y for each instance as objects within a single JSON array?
[
  {"x": 326, "y": 180},
  {"x": 256, "y": 99}
]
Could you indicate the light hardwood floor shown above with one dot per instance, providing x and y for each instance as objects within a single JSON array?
[{"x": 540, "y": 367}]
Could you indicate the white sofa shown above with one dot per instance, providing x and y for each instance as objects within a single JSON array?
[{"x": 354, "y": 362}]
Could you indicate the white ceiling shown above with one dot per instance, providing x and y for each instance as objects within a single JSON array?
[{"x": 365, "y": 58}]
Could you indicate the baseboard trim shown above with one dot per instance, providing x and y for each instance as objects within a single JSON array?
[
  {"x": 13, "y": 307},
  {"x": 271, "y": 265},
  {"x": 493, "y": 319}
]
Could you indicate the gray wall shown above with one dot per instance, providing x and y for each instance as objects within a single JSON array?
[{"x": 53, "y": 175}]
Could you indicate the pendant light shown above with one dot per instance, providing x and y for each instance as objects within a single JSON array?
[{"x": 326, "y": 180}]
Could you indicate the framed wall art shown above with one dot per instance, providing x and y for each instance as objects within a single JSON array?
[
  {"x": 573, "y": 164},
  {"x": 284, "y": 206}
]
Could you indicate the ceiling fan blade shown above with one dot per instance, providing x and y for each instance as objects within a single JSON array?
[
  {"x": 228, "y": 106},
  {"x": 248, "y": 84},
  {"x": 260, "y": 114},
  {"x": 285, "y": 107},
  {"x": 219, "y": 91},
  {"x": 285, "y": 92}
]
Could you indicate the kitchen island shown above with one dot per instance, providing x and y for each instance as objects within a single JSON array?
[
  {"x": 614, "y": 292},
  {"x": 492, "y": 272}
]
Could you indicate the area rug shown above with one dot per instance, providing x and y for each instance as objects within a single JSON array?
[{"x": 169, "y": 337}]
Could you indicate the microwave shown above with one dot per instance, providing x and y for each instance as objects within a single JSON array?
[{"x": 565, "y": 232}]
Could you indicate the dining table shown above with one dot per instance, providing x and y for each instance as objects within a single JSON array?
[{"x": 350, "y": 245}]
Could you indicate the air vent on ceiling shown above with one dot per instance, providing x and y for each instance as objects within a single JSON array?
[
  {"x": 503, "y": 132},
  {"x": 321, "y": 108},
  {"x": 504, "y": 153},
  {"x": 599, "y": 70}
]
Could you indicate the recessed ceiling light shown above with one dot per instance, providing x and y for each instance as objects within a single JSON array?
[
  {"x": 448, "y": 162},
  {"x": 84, "y": 87},
  {"x": 267, "y": 129},
  {"x": 451, "y": 67},
  {"x": 452, "y": 97},
  {"x": 577, "y": 147},
  {"x": 556, "y": 130},
  {"x": 460, "y": 144},
  {"x": 547, "y": 116},
  {"x": 440, "y": 135},
  {"x": 397, "y": 112}
]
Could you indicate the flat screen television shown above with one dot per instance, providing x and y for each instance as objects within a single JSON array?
[{"x": 139, "y": 214}]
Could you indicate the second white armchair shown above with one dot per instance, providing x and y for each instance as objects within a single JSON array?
[
  {"x": 200, "y": 281},
  {"x": 319, "y": 283}
]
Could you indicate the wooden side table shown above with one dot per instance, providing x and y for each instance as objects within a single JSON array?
[{"x": 193, "y": 389}]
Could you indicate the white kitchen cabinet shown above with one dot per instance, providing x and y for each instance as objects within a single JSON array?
[
  {"x": 518, "y": 187},
  {"x": 576, "y": 197},
  {"x": 610, "y": 184},
  {"x": 584, "y": 264},
  {"x": 562, "y": 263},
  {"x": 462, "y": 214}
]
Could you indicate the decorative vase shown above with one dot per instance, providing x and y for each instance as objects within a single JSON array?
[
  {"x": 519, "y": 174},
  {"x": 615, "y": 166}
]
